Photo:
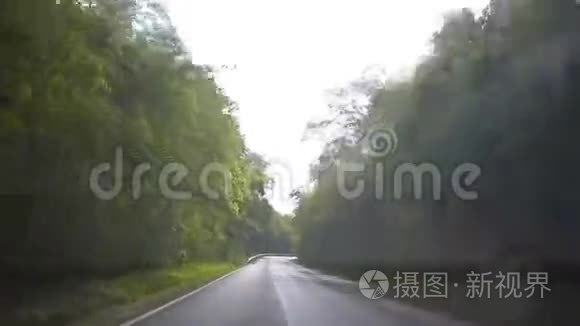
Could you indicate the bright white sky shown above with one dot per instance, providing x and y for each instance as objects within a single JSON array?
[{"x": 287, "y": 53}]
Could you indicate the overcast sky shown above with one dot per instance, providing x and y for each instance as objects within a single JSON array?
[{"x": 284, "y": 55}]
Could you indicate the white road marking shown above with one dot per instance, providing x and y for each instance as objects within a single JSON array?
[{"x": 171, "y": 303}]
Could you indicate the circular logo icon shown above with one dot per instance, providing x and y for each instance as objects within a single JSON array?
[
  {"x": 381, "y": 142},
  {"x": 364, "y": 284}
]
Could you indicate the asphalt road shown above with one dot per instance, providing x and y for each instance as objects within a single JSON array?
[{"x": 277, "y": 291}]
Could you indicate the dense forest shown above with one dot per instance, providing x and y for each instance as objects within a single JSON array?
[
  {"x": 499, "y": 91},
  {"x": 81, "y": 80}
]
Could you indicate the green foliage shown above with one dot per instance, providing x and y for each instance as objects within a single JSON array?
[
  {"x": 111, "y": 301},
  {"x": 81, "y": 79}
]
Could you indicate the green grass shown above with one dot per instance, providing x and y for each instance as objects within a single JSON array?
[
  {"x": 132, "y": 287},
  {"x": 103, "y": 302}
]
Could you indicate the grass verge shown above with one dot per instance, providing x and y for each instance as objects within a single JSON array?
[{"x": 105, "y": 302}]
